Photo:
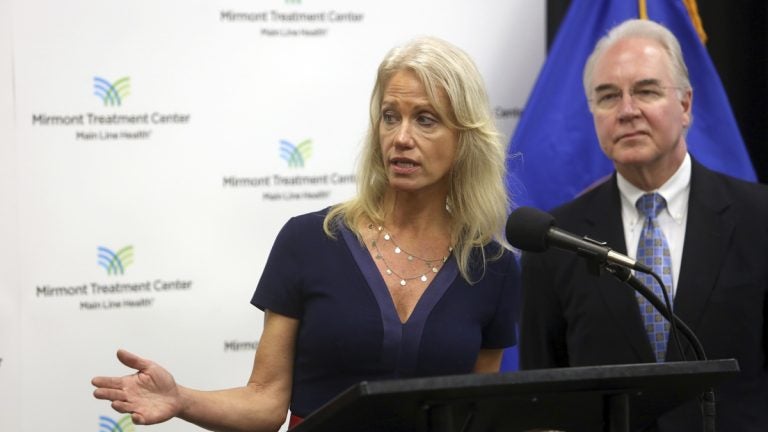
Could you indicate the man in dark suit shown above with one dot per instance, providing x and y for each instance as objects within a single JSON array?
[{"x": 712, "y": 230}]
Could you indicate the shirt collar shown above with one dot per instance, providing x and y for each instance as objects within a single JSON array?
[{"x": 675, "y": 191}]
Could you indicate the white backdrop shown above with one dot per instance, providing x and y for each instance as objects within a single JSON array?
[
  {"x": 10, "y": 290},
  {"x": 144, "y": 170}
]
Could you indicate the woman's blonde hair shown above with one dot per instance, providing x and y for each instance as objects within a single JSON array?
[{"x": 477, "y": 198}]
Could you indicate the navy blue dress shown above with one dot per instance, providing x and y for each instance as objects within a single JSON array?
[{"x": 350, "y": 330}]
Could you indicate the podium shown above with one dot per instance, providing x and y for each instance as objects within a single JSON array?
[{"x": 615, "y": 398}]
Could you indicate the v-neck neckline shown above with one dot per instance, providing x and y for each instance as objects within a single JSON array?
[{"x": 400, "y": 339}]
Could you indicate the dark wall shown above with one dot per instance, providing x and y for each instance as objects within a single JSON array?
[{"x": 738, "y": 45}]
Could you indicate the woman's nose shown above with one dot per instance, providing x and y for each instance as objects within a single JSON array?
[{"x": 404, "y": 134}]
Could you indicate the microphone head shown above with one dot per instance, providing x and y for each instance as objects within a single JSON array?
[{"x": 527, "y": 229}]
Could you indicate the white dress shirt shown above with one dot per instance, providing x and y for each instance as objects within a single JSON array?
[{"x": 672, "y": 220}]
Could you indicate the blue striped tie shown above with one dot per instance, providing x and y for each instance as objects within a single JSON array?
[{"x": 653, "y": 251}]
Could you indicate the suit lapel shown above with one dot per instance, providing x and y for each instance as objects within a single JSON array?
[
  {"x": 706, "y": 236},
  {"x": 603, "y": 222}
]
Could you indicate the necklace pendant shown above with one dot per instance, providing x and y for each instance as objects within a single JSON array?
[
  {"x": 402, "y": 282},
  {"x": 434, "y": 269},
  {"x": 397, "y": 249},
  {"x": 386, "y": 236},
  {"x": 423, "y": 278}
]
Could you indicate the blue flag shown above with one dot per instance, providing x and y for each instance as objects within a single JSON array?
[{"x": 554, "y": 152}]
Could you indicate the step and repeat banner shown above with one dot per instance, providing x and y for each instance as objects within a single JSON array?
[{"x": 151, "y": 150}]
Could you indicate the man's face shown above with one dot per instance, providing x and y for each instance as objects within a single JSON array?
[{"x": 640, "y": 116}]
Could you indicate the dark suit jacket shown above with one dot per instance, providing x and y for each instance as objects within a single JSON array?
[{"x": 572, "y": 318}]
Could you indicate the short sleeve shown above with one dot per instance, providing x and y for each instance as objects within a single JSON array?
[
  {"x": 501, "y": 331},
  {"x": 279, "y": 288}
]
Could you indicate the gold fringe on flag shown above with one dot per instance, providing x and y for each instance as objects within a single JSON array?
[{"x": 693, "y": 12}]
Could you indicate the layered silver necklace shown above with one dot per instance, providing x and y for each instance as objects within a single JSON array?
[{"x": 432, "y": 265}]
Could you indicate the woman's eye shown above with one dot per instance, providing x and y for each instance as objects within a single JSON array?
[
  {"x": 388, "y": 117},
  {"x": 426, "y": 120}
]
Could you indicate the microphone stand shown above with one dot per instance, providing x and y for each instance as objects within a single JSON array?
[{"x": 707, "y": 399}]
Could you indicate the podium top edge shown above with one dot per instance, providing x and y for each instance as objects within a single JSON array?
[{"x": 580, "y": 373}]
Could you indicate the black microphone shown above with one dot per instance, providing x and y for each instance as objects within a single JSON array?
[{"x": 533, "y": 230}]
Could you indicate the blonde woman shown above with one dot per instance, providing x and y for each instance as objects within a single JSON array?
[{"x": 409, "y": 279}]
